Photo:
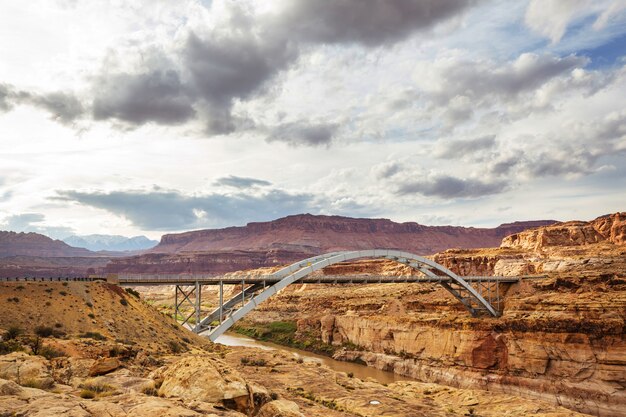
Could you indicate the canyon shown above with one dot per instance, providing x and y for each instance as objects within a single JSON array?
[
  {"x": 560, "y": 337},
  {"x": 557, "y": 349},
  {"x": 84, "y": 349}
]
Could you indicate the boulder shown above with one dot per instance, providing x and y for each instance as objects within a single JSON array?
[
  {"x": 29, "y": 370},
  {"x": 104, "y": 366},
  {"x": 9, "y": 388},
  {"x": 200, "y": 377},
  {"x": 280, "y": 408}
]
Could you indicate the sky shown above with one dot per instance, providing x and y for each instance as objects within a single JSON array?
[{"x": 153, "y": 117}]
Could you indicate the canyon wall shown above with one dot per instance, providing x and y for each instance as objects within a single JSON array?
[{"x": 560, "y": 337}]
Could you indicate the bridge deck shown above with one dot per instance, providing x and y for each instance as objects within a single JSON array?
[{"x": 190, "y": 279}]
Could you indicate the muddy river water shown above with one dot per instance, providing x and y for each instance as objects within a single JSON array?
[{"x": 358, "y": 370}]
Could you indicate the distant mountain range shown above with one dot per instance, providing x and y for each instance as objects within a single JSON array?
[{"x": 110, "y": 242}]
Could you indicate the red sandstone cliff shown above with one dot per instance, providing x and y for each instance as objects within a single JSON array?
[
  {"x": 34, "y": 244},
  {"x": 610, "y": 228},
  {"x": 318, "y": 234},
  {"x": 293, "y": 238}
]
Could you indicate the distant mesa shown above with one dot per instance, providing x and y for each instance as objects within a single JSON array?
[
  {"x": 34, "y": 244},
  {"x": 293, "y": 238},
  {"x": 110, "y": 242},
  {"x": 313, "y": 234}
]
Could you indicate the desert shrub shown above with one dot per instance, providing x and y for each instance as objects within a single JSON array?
[
  {"x": 253, "y": 362},
  {"x": 35, "y": 344},
  {"x": 38, "y": 383},
  {"x": 12, "y": 333},
  {"x": 350, "y": 375},
  {"x": 88, "y": 304},
  {"x": 150, "y": 390},
  {"x": 87, "y": 394},
  {"x": 49, "y": 352},
  {"x": 58, "y": 325},
  {"x": 44, "y": 331},
  {"x": 123, "y": 301},
  {"x": 48, "y": 303},
  {"x": 97, "y": 387},
  {"x": 133, "y": 292},
  {"x": 20, "y": 287},
  {"x": 63, "y": 293},
  {"x": 58, "y": 334},
  {"x": 175, "y": 347},
  {"x": 92, "y": 335},
  {"x": 13, "y": 300},
  {"x": 115, "y": 351},
  {"x": 9, "y": 346},
  {"x": 91, "y": 316}
]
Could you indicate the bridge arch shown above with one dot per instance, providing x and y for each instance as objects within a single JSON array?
[{"x": 257, "y": 294}]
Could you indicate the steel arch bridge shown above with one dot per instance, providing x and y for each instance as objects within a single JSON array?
[{"x": 229, "y": 312}]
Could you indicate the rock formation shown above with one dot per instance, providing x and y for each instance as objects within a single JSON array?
[
  {"x": 34, "y": 244},
  {"x": 610, "y": 228},
  {"x": 297, "y": 237},
  {"x": 560, "y": 337}
]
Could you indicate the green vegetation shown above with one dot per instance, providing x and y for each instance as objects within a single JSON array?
[
  {"x": 12, "y": 333},
  {"x": 93, "y": 335},
  {"x": 132, "y": 292},
  {"x": 245, "y": 361},
  {"x": 285, "y": 333},
  {"x": 38, "y": 383},
  {"x": 50, "y": 352},
  {"x": 8, "y": 346},
  {"x": 175, "y": 347},
  {"x": 331, "y": 404},
  {"x": 87, "y": 394},
  {"x": 93, "y": 388},
  {"x": 44, "y": 331}
]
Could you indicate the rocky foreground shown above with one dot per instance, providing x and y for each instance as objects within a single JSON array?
[
  {"x": 560, "y": 338},
  {"x": 93, "y": 349}
]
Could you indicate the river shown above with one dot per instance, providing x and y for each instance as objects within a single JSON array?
[{"x": 358, "y": 370}]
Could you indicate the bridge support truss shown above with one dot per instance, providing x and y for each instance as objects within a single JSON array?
[{"x": 481, "y": 298}]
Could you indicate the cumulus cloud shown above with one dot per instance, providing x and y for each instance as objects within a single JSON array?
[
  {"x": 5, "y": 92},
  {"x": 551, "y": 18},
  {"x": 450, "y": 187},
  {"x": 156, "y": 96},
  {"x": 386, "y": 169},
  {"x": 304, "y": 133},
  {"x": 480, "y": 79},
  {"x": 455, "y": 149},
  {"x": 369, "y": 23},
  {"x": 62, "y": 107},
  {"x": 242, "y": 55},
  {"x": 160, "y": 209},
  {"x": 241, "y": 182}
]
